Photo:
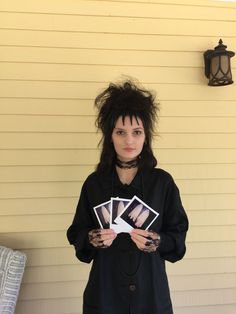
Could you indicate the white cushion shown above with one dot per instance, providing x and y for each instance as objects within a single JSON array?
[{"x": 12, "y": 264}]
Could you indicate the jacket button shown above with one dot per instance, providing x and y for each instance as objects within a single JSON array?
[{"x": 132, "y": 288}]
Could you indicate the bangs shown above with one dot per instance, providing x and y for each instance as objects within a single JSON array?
[{"x": 131, "y": 117}]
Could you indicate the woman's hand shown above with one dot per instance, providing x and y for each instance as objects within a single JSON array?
[
  {"x": 101, "y": 238},
  {"x": 147, "y": 241}
]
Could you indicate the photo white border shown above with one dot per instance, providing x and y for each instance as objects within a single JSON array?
[{"x": 95, "y": 210}]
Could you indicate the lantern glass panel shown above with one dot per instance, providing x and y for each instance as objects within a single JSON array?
[{"x": 220, "y": 67}]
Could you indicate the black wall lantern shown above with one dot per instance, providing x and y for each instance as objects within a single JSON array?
[{"x": 217, "y": 65}]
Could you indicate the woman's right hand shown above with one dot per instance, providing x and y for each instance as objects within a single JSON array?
[{"x": 101, "y": 238}]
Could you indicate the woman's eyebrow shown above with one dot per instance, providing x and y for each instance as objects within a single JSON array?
[
  {"x": 138, "y": 128},
  {"x": 123, "y": 129}
]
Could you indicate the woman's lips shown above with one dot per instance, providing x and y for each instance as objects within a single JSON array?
[{"x": 128, "y": 149}]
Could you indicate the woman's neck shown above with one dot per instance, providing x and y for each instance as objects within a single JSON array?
[{"x": 126, "y": 176}]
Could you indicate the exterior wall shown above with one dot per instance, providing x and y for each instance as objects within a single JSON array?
[{"x": 55, "y": 57}]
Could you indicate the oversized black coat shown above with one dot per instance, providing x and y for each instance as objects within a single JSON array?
[{"x": 124, "y": 279}]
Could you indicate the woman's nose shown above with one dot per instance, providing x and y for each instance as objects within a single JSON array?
[{"x": 129, "y": 139}]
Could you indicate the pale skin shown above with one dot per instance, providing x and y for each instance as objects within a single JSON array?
[{"x": 128, "y": 138}]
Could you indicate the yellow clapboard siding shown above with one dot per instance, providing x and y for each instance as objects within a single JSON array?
[
  {"x": 55, "y": 157},
  {"x": 210, "y": 202},
  {"x": 74, "y": 107},
  {"x": 183, "y": 3},
  {"x": 101, "y": 57},
  {"x": 213, "y": 309},
  {"x": 36, "y": 240},
  {"x": 211, "y": 108},
  {"x": 150, "y": 9},
  {"x": 204, "y": 297},
  {"x": 212, "y": 233},
  {"x": 82, "y": 90},
  {"x": 207, "y": 171},
  {"x": 38, "y": 190},
  {"x": 186, "y": 141},
  {"x": 45, "y": 173},
  {"x": 71, "y": 189},
  {"x": 189, "y": 158},
  {"x": 35, "y": 223},
  {"x": 202, "y": 218},
  {"x": 48, "y": 190},
  {"x": 49, "y": 141},
  {"x": 80, "y": 172},
  {"x": 50, "y": 306},
  {"x": 214, "y": 272},
  {"x": 119, "y": 24},
  {"x": 53, "y": 256},
  {"x": 42, "y": 206},
  {"x": 92, "y": 73},
  {"x": 108, "y": 41},
  {"x": 52, "y": 290},
  {"x": 60, "y": 124},
  {"x": 21, "y": 123},
  {"x": 206, "y": 249},
  {"x": 90, "y": 141},
  {"x": 203, "y": 267},
  {"x": 207, "y": 186},
  {"x": 48, "y": 274},
  {"x": 193, "y": 3},
  {"x": 40, "y": 106}
]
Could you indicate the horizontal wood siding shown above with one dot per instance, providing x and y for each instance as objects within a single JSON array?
[{"x": 55, "y": 56}]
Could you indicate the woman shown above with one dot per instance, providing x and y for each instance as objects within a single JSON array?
[{"x": 128, "y": 272}]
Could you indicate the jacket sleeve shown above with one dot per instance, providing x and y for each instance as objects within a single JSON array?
[
  {"x": 77, "y": 233},
  {"x": 175, "y": 226}
]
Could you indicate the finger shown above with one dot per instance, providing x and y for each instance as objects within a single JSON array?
[
  {"x": 105, "y": 237},
  {"x": 139, "y": 238},
  {"x": 153, "y": 235},
  {"x": 107, "y": 231},
  {"x": 108, "y": 242},
  {"x": 140, "y": 232}
]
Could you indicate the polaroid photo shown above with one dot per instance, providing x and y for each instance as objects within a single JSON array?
[
  {"x": 103, "y": 212},
  {"x": 136, "y": 214},
  {"x": 117, "y": 207}
]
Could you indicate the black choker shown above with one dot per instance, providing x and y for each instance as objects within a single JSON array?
[{"x": 127, "y": 164}]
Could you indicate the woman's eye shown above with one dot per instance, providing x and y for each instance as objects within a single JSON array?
[
  {"x": 137, "y": 132},
  {"x": 120, "y": 132}
]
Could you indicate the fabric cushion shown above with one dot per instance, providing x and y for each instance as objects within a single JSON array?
[{"x": 12, "y": 264}]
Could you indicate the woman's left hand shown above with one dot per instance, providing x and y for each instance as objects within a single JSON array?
[{"x": 147, "y": 241}]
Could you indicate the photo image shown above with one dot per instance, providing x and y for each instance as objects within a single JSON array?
[
  {"x": 137, "y": 214},
  {"x": 103, "y": 212},
  {"x": 117, "y": 207}
]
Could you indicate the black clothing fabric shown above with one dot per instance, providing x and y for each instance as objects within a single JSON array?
[{"x": 124, "y": 279}]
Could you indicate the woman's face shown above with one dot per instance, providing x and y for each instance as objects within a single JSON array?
[{"x": 128, "y": 138}]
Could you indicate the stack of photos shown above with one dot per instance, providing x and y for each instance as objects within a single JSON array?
[{"x": 123, "y": 215}]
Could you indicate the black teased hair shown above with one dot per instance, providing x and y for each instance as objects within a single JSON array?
[{"x": 125, "y": 99}]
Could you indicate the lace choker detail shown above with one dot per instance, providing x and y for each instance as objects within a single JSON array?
[{"x": 127, "y": 164}]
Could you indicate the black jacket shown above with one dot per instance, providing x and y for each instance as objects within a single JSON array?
[{"x": 123, "y": 279}]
